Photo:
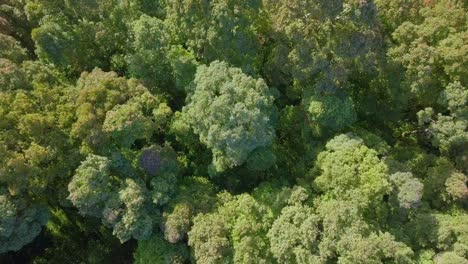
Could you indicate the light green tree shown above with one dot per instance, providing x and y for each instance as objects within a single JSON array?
[{"x": 232, "y": 113}]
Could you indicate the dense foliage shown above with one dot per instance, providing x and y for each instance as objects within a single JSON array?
[{"x": 234, "y": 131}]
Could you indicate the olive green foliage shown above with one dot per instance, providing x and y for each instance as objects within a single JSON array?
[
  {"x": 234, "y": 131},
  {"x": 151, "y": 43},
  {"x": 157, "y": 250},
  {"x": 432, "y": 50},
  {"x": 224, "y": 30},
  {"x": 330, "y": 112},
  {"x": 78, "y": 36},
  {"x": 156, "y": 59},
  {"x": 194, "y": 195},
  {"x": 11, "y": 49},
  {"x": 114, "y": 111},
  {"x": 449, "y": 133},
  {"x": 393, "y": 13}
]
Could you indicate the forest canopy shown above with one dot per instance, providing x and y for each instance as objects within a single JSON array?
[{"x": 234, "y": 131}]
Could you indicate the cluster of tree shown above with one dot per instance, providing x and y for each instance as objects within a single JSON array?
[{"x": 234, "y": 131}]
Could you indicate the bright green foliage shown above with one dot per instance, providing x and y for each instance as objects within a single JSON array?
[
  {"x": 238, "y": 230},
  {"x": 456, "y": 186},
  {"x": 347, "y": 235},
  {"x": 450, "y": 258},
  {"x": 157, "y": 250},
  {"x": 99, "y": 92},
  {"x": 209, "y": 239},
  {"x": 139, "y": 118},
  {"x": 218, "y": 30},
  {"x": 348, "y": 170},
  {"x": 231, "y": 112},
  {"x": 375, "y": 248},
  {"x": 233, "y": 131},
  {"x": 126, "y": 123}
]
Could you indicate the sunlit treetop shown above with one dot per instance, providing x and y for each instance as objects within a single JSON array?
[
  {"x": 349, "y": 170},
  {"x": 232, "y": 113}
]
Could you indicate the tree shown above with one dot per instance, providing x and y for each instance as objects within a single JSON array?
[
  {"x": 231, "y": 112},
  {"x": 11, "y": 49},
  {"x": 348, "y": 170},
  {"x": 157, "y": 250},
  {"x": 12, "y": 76},
  {"x": 19, "y": 223},
  {"x": 81, "y": 36},
  {"x": 330, "y": 112},
  {"x": 449, "y": 133},
  {"x": 294, "y": 235},
  {"x": 322, "y": 42},
  {"x": 112, "y": 109},
  {"x": 393, "y": 13},
  {"x": 92, "y": 188},
  {"x": 444, "y": 185},
  {"x": 161, "y": 165},
  {"x": 222, "y": 30},
  {"x": 429, "y": 47},
  {"x": 194, "y": 195},
  {"x": 135, "y": 219},
  {"x": 149, "y": 62},
  {"x": 122, "y": 205},
  {"x": 36, "y": 154},
  {"x": 409, "y": 189},
  {"x": 236, "y": 231},
  {"x": 440, "y": 232}
]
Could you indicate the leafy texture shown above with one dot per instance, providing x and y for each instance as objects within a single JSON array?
[{"x": 231, "y": 112}]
